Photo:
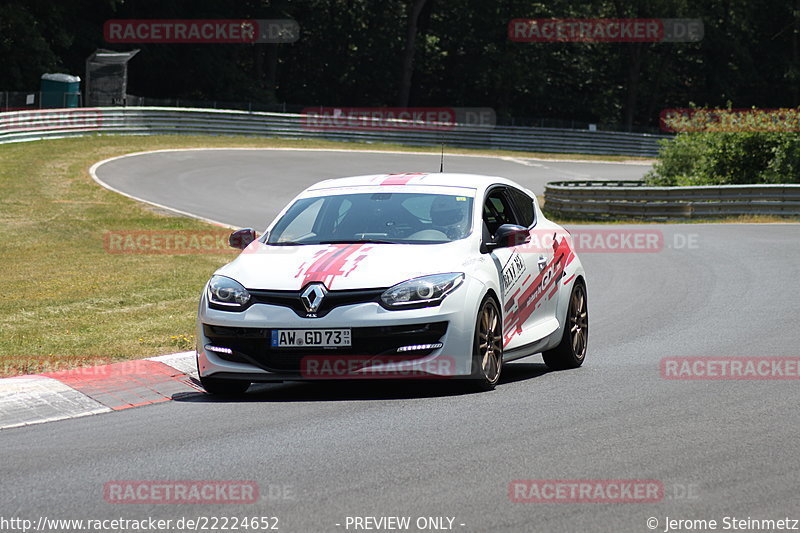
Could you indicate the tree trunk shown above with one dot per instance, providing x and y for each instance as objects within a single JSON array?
[
  {"x": 795, "y": 68},
  {"x": 414, "y": 9},
  {"x": 632, "y": 92}
]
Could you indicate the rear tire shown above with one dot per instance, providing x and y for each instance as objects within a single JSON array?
[
  {"x": 224, "y": 387},
  {"x": 571, "y": 351},
  {"x": 487, "y": 349}
]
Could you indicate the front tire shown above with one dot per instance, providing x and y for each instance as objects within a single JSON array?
[
  {"x": 224, "y": 387},
  {"x": 487, "y": 350},
  {"x": 571, "y": 351}
]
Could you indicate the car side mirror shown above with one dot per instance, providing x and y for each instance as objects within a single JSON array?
[
  {"x": 509, "y": 235},
  {"x": 241, "y": 238}
]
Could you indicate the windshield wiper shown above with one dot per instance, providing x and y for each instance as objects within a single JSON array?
[{"x": 359, "y": 241}]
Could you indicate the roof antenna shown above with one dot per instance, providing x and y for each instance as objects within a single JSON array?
[{"x": 441, "y": 161}]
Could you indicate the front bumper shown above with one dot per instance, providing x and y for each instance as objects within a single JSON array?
[{"x": 377, "y": 333}]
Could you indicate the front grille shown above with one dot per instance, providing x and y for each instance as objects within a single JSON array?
[
  {"x": 332, "y": 300},
  {"x": 253, "y": 344}
]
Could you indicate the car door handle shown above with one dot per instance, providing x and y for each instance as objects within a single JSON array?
[{"x": 542, "y": 263}]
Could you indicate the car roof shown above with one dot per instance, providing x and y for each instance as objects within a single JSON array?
[{"x": 435, "y": 179}]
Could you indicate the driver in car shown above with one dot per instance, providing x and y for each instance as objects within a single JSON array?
[{"x": 449, "y": 215}]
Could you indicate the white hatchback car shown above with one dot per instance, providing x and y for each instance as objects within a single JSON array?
[{"x": 395, "y": 276}]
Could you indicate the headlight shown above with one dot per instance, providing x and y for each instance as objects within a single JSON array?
[
  {"x": 421, "y": 292},
  {"x": 227, "y": 293}
]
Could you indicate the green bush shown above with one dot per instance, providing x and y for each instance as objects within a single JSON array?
[
  {"x": 785, "y": 164},
  {"x": 719, "y": 148}
]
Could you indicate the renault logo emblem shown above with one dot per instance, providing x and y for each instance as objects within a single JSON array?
[{"x": 312, "y": 296}]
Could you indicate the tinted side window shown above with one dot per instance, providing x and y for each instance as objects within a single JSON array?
[
  {"x": 524, "y": 206},
  {"x": 497, "y": 211}
]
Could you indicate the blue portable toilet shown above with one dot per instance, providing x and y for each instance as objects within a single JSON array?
[{"x": 60, "y": 90}]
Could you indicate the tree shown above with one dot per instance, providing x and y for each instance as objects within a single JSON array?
[{"x": 414, "y": 10}]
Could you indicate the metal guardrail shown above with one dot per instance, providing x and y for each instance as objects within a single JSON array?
[
  {"x": 633, "y": 199},
  {"x": 43, "y": 124}
]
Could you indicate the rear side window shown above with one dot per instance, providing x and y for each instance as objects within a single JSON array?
[{"x": 523, "y": 205}]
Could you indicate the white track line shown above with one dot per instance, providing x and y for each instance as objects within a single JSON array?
[{"x": 93, "y": 173}]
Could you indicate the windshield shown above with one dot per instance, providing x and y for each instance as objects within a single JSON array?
[{"x": 411, "y": 218}]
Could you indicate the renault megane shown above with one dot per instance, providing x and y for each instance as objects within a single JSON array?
[{"x": 392, "y": 276}]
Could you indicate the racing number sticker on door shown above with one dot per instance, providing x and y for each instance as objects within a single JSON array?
[{"x": 513, "y": 271}]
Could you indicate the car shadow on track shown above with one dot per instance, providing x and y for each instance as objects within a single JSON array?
[{"x": 357, "y": 390}]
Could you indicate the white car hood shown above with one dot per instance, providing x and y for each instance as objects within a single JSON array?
[{"x": 342, "y": 266}]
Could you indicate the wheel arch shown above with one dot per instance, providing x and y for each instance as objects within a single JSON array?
[
  {"x": 490, "y": 293},
  {"x": 562, "y": 305}
]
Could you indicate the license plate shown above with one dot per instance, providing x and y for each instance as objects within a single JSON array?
[{"x": 315, "y": 338}]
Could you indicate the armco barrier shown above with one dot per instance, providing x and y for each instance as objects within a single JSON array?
[
  {"x": 54, "y": 123},
  {"x": 633, "y": 199}
]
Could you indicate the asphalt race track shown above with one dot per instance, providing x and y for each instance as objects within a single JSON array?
[
  {"x": 220, "y": 184},
  {"x": 321, "y": 453}
]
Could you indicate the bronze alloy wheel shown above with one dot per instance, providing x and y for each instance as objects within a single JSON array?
[
  {"x": 488, "y": 347},
  {"x": 571, "y": 351}
]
